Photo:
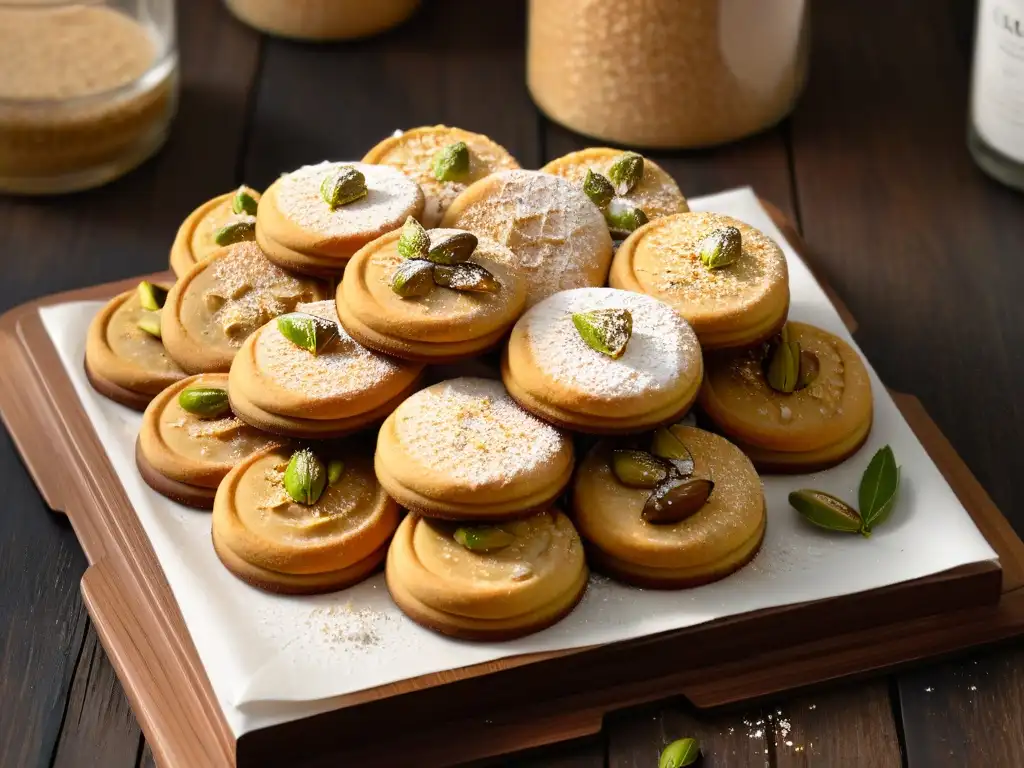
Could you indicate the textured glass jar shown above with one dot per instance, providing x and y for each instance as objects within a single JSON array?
[
  {"x": 322, "y": 19},
  {"x": 667, "y": 73},
  {"x": 87, "y": 90}
]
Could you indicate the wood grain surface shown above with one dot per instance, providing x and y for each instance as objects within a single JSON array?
[{"x": 924, "y": 249}]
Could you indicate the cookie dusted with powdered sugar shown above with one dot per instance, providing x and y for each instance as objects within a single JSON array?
[
  {"x": 603, "y": 361},
  {"x": 463, "y": 450},
  {"x": 421, "y": 154},
  {"x": 302, "y": 375},
  {"x": 728, "y": 279},
  {"x": 313, "y": 219},
  {"x": 214, "y": 307},
  {"x": 558, "y": 235}
]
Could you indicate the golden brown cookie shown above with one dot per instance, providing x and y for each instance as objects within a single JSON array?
[
  {"x": 196, "y": 237},
  {"x": 464, "y": 450},
  {"x": 265, "y": 537},
  {"x": 282, "y": 388},
  {"x": 189, "y": 440},
  {"x": 818, "y": 425},
  {"x": 559, "y": 237},
  {"x": 214, "y": 307},
  {"x": 124, "y": 362},
  {"x": 736, "y": 305},
  {"x": 487, "y": 582},
  {"x": 552, "y": 371},
  {"x": 656, "y": 194},
  {"x": 446, "y": 324},
  {"x": 300, "y": 231},
  {"x": 413, "y": 153},
  {"x": 632, "y": 542}
]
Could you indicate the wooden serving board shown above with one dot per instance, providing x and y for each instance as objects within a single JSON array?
[{"x": 488, "y": 709}]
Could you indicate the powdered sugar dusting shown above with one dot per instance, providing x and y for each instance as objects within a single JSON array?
[
  {"x": 345, "y": 367},
  {"x": 471, "y": 430},
  {"x": 662, "y": 350},
  {"x": 390, "y": 197},
  {"x": 671, "y": 264},
  {"x": 247, "y": 290},
  {"x": 559, "y": 237}
]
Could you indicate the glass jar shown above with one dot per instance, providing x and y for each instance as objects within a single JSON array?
[
  {"x": 667, "y": 73},
  {"x": 995, "y": 133},
  {"x": 87, "y": 90},
  {"x": 322, "y": 19}
]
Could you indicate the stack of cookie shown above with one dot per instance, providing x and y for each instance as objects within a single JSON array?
[{"x": 397, "y": 361}]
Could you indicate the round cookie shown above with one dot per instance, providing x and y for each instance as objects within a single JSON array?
[
  {"x": 463, "y": 450},
  {"x": 183, "y": 456},
  {"x": 717, "y": 539},
  {"x": 552, "y": 372},
  {"x": 265, "y": 538},
  {"x": 195, "y": 238},
  {"x": 298, "y": 230},
  {"x": 814, "y": 427},
  {"x": 559, "y": 237},
  {"x": 657, "y": 193},
  {"x": 220, "y": 301},
  {"x": 285, "y": 389},
  {"x": 737, "y": 305},
  {"x": 413, "y": 151},
  {"x": 530, "y": 583},
  {"x": 445, "y": 325},
  {"x": 124, "y": 362}
]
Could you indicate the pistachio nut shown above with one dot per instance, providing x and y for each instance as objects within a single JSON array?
[
  {"x": 311, "y": 333},
  {"x": 720, "y": 247},
  {"x": 681, "y": 753},
  {"x": 825, "y": 510},
  {"x": 342, "y": 186},
  {"x": 809, "y": 369},
  {"x": 150, "y": 323},
  {"x": 236, "y": 232},
  {"x": 638, "y": 469},
  {"x": 607, "y": 331},
  {"x": 151, "y": 297},
  {"x": 626, "y": 172},
  {"x": 623, "y": 217},
  {"x": 598, "y": 189},
  {"x": 676, "y": 499},
  {"x": 244, "y": 202},
  {"x": 667, "y": 445},
  {"x": 413, "y": 278},
  {"x": 205, "y": 402},
  {"x": 453, "y": 249},
  {"x": 452, "y": 162},
  {"x": 784, "y": 366},
  {"x": 466, "y": 276},
  {"x": 305, "y": 478},
  {"x": 335, "y": 469},
  {"x": 414, "y": 242},
  {"x": 483, "y": 538}
]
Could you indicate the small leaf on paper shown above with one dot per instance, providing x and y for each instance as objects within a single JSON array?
[{"x": 878, "y": 488}]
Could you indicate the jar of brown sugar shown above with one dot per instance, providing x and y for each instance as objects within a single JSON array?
[
  {"x": 87, "y": 90},
  {"x": 667, "y": 73}
]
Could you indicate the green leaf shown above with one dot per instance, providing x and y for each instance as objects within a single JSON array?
[
  {"x": 680, "y": 754},
  {"x": 878, "y": 487}
]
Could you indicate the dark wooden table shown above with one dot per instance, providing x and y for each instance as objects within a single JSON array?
[{"x": 926, "y": 251}]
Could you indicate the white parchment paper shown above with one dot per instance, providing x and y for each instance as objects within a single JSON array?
[{"x": 272, "y": 659}]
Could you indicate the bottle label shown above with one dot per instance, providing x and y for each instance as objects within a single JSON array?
[{"x": 997, "y": 101}]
